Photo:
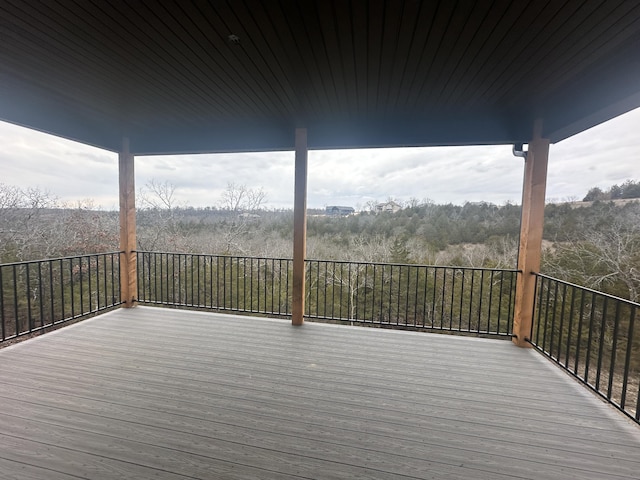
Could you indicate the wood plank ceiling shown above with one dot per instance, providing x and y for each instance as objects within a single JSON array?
[{"x": 188, "y": 76}]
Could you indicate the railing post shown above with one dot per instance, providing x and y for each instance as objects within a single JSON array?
[
  {"x": 299, "y": 227},
  {"x": 128, "y": 267},
  {"x": 531, "y": 227}
]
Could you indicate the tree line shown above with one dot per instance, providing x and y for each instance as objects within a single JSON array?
[
  {"x": 629, "y": 189},
  {"x": 595, "y": 244}
]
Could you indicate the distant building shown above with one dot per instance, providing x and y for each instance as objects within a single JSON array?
[
  {"x": 390, "y": 207},
  {"x": 339, "y": 211}
]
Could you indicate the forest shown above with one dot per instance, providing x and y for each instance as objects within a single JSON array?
[{"x": 592, "y": 243}]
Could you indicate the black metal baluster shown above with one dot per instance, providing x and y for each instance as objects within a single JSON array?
[
  {"x": 161, "y": 299},
  {"x": 546, "y": 319},
  {"x": 443, "y": 300},
  {"x": 390, "y": 291},
  {"x": 73, "y": 293},
  {"x": 433, "y": 300},
  {"x": 357, "y": 293},
  {"x": 280, "y": 272},
  {"x": 399, "y": 282},
  {"x": 415, "y": 303},
  {"x": 510, "y": 305},
  {"x": 590, "y": 340},
  {"x": 553, "y": 319},
  {"x": 562, "y": 310},
  {"x": 348, "y": 290},
  {"x": 105, "y": 283},
  {"x": 500, "y": 299},
  {"x": 570, "y": 326},
  {"x": 424, "y": 297},
  {"x": 40, "y": 299},
  {"x": 461, "y": 306},
  {"x": 29, "y": 316},
  {"x": 266, "y": 286},
  {"x": 142, "y": 267},
  {"x": 112, "y": 270},
  {"x": 627, "y": 358},
  {"x": 382, "y": 294},
  {"x": 580, "y": 324},
  {"x": 453, "y": 292},
  {"x": 90, "y": 287},
  {"x": 258, "y": 285},
  {"x": 15, "y": 300},
  {"x": 407, "y": 289},
  {"x": 51, "y": 294},
  {"x": 2, "y": 314},
  {"x": 481, "y": 296},
  {"x": 373, "y": 295},
  {"x": 289, "y": 267},
  {"x": 603, "y": 325},
  {"x": 614, "y": 348},
  {"x": 273, "y": 273},
  {"x": 62, "y": 305},
  {"x": 326, "y": 280},
  {"x": 539, "y": 286},
  {"x": 333, "y": 290},
  {"x": 175, "y": 278},
  {"x": 251, "y": 283}
]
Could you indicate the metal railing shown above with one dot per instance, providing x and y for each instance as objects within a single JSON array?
[
  {"x": 590, "y": 334},
  {"x": 39, "y": 294},
  {"x": 458, "y": 299},
  {"x": 593, "y": 336},
  {"x": 461, "y": 299},
  {"x": 218, "y": 282}
]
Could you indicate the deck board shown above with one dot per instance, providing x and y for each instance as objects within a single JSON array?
[{"x": 171, "y": 394}]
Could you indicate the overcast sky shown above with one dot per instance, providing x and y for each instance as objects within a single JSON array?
[{"x": 605, "y": 155}]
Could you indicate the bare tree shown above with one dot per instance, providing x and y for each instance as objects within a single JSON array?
[
  {"x": 255, "y": 199},
  {"x": 158, "y": 219},
  {"x": 84, "y": 228},
  {"x": 239, "y": 198},
  {"x": 355, "y": 276},
  {"x": 158, "y": 195},
  {"x": 370, "y": 206},
  {"x": 233, "y": 197},
  {"x": 25, "y": 233},
  {"x": 368, "y": 249},
  {"x": 243, "y": 203},
  {"x": 605, "y": 256}
]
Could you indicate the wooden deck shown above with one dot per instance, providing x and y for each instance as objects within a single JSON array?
[{"x": 170, "y": 394}]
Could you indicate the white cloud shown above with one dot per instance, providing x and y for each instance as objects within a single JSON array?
[{"x": 602, "y": 156}]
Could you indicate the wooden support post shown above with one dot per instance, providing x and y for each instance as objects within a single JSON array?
[
  {"x": 299, "y": 227},
  {"x": 128, "y": 267},
  {"x": 531, "y": 227}
]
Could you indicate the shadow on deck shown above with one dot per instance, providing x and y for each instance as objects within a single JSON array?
[{"x": 173, "y": 394}]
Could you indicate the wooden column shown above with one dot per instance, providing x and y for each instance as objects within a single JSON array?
[
  {"x": 128, "y": 270},
  {"x": 299, "y": 227},
  {"x": 531, "y": 227}
]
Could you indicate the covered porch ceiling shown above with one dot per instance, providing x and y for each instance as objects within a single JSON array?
[{"x": 220, "y": 76}]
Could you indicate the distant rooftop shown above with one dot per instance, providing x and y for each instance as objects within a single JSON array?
[{"x": 339, "y": 210}]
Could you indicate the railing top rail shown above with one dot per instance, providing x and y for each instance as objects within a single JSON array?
[
  {"x": 486, "y": 269},
  {"x": 590, "y": 290},
  {"x": 57, "y": 259},
  {"x": 213, "y": 255},
  {"x": 344, "y": 262}
]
